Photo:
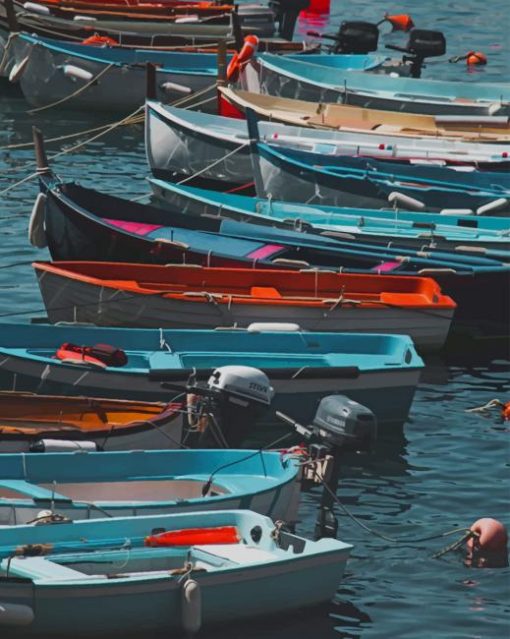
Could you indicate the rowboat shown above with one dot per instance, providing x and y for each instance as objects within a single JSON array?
[
  {"x": 180, "y": 142},
  {"x": 151, "y": 296},
  {"x": 82, "y": 224},
  {"x": 379, "y": 371},
  {"x": 28, "y": 420},
  {"x": 113, "y": 78},
  {"x": 103, "y": 576},
  {"x": 280, "y": 77},
  {"x": 296, "y": 175},
  {"x": 452, "y": 232},
  {"x": 344, "y": 117},
  {"x": 91, "y": 485}
]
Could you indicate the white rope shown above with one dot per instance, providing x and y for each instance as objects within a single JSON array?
[
  {"x": 77, "y": 92},
  {"x": 16, "y": 184},
  {"x": 210, "y": 166}
]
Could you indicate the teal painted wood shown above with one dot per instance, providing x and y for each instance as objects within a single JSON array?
[
  {"x": 72, "y": 586},
  {"x": 77, "y": 485}
]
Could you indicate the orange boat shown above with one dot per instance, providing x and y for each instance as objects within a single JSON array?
[
  {"x": 145, "y": 295},
  {"x": 54, "y": 423}
]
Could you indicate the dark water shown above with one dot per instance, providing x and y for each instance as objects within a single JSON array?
[{"x": 444, "y": 469}]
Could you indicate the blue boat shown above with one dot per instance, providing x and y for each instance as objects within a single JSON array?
[
  {"x": 385, "y": 226},
  {"x": 296, "y": 79},
  {"x": 379, "y": 371},
  {"x": 116, "y": 75},
  {"x": 159, "y": 574},
  {"x": 303, "y": 176},
  {"x": 42, "y": 488}
]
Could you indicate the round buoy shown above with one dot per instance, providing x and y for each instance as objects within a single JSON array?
[
  {"x": 476, "y": 58},
  {"x": 491, "y": 535}
]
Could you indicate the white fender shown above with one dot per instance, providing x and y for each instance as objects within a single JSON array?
[
  {"x": 495, "y": 205},
  {"x": 273, "y": 327},
  {"x": 15, "y": 615},
  {"x": 18, "y": 70},
  {"x": 456, "y": 212},
  {"x": 169, "y": 87},
  {"x": 399, "y": 199},
  {"x": 36, "y": 232},
  {"x": 187, "y": 19},
  {"x": 64, "y": 446},
  {"x": 77, "y": 73},
  {"x": 191, "y": 606},
  {"x": 36, "y": 8},
  {"x": 84, "y": 19}
]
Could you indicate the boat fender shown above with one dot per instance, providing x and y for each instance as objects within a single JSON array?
[
  {"x": 36, "y": 232},
  {"x": 36, "y": 8},
  {"x": 84, "y": 19},
  {"x": 15, "y": 615},
  {"x": 169, "y": 87},
  {"x": 490, "y": 207},
  {"x": 18, "y": 70},
  {"x": 239, "y": 60},
  {"x": 62, "y": 446},
  {"x": 491, "y": 535},
  {"x": 456, "y": 212},
  {"x": 399, "y": 199},
  {"x": 191, "y": 606},
  {"x": 273, "y": 327},
  {"x": 77, "y": 73},
  {"x": 187, "y": 19}
]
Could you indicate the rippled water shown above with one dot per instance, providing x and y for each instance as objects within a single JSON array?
[{"x": 444, "y": 469}]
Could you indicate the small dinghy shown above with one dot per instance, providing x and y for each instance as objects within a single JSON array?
[
  {"x": 45, "y": 422},
  {"x": 42, "y": 488},
  {"x": 151, "y": 296},
  {"x": 379, "y": 371},
  {"x": 161, "y": 573}
]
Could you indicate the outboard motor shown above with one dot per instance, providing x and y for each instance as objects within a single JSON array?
[
  {"x": 286, "y": 12},
  {"x": 422, "y": 44},
  {"x": 356, "y": 37},
  {"x": 340, "y": 425},
  {"x": 223, "y": 413}
]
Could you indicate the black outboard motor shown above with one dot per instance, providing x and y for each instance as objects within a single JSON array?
[
  {"x": 223, "y": 412},
  {"x": 340, "y": 425},
  {"x": 287, "y": 12},
  {"x": 422, "y": 44},
  {"x": 356, "y": 37}
]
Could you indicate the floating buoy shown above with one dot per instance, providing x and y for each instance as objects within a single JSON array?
[
  {"x": 191, "y": 602},
  {"x": 193, "y": 536},
  {"x": 400, "y": 22},
  {"x": 18, "y": 70},
  {"x": 36, "y": 232},
  {"x": 488, "y": 547},
  {"x": 476, "y": 57}
]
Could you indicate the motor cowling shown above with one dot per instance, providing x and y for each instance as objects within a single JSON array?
[
  {"x": 344, "y": 424},
  {"x": 242, "y": 383},
  {"x": 425, "y": 43},
  {"x": 357, "y": 37}
]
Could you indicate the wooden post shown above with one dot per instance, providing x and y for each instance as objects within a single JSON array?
[{"x": 40, "y": 153}]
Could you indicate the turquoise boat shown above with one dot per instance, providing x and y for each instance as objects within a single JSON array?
[
  {"x": 455, "y": 232},
  {"x": 47, "y": 487},
  {"x": 277, "y": 75},
  {"x": 102, "y": 577},
  {"x": 379, "y": 371}
]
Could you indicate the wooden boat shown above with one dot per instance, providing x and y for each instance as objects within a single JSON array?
[
  {"x": 82, "y": 423},
  {"x": 379, "y": 371},
  {"x": 88, "y": 485},
  {"x": 296, "y": 175},
  {"x": 82, "y": 224},
  {"x": 390, "y": 227},
  {"x": 359, "y": 120},
  {"x": 181, "y": 142},
  {"x": 181, "y": 296},
  {"x": 296, "y": 79},
  {"x": 252, "y": 574}
]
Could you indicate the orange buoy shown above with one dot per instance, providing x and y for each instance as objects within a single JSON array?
[
  {"x": 249, "y": 49},
  {"x": 490, "y": 533},
  {"x": 505, "y": 412},
  {"x": 195, "y": 536},
  {"x": 475, "y": 57},
  {"x": 400, "y": 22},
  {"x": 99, "y": 41}
]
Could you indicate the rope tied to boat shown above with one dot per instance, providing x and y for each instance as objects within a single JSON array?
[
  {"x": 75, "y": 93},
  {"x": 215, "y": 163}
]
